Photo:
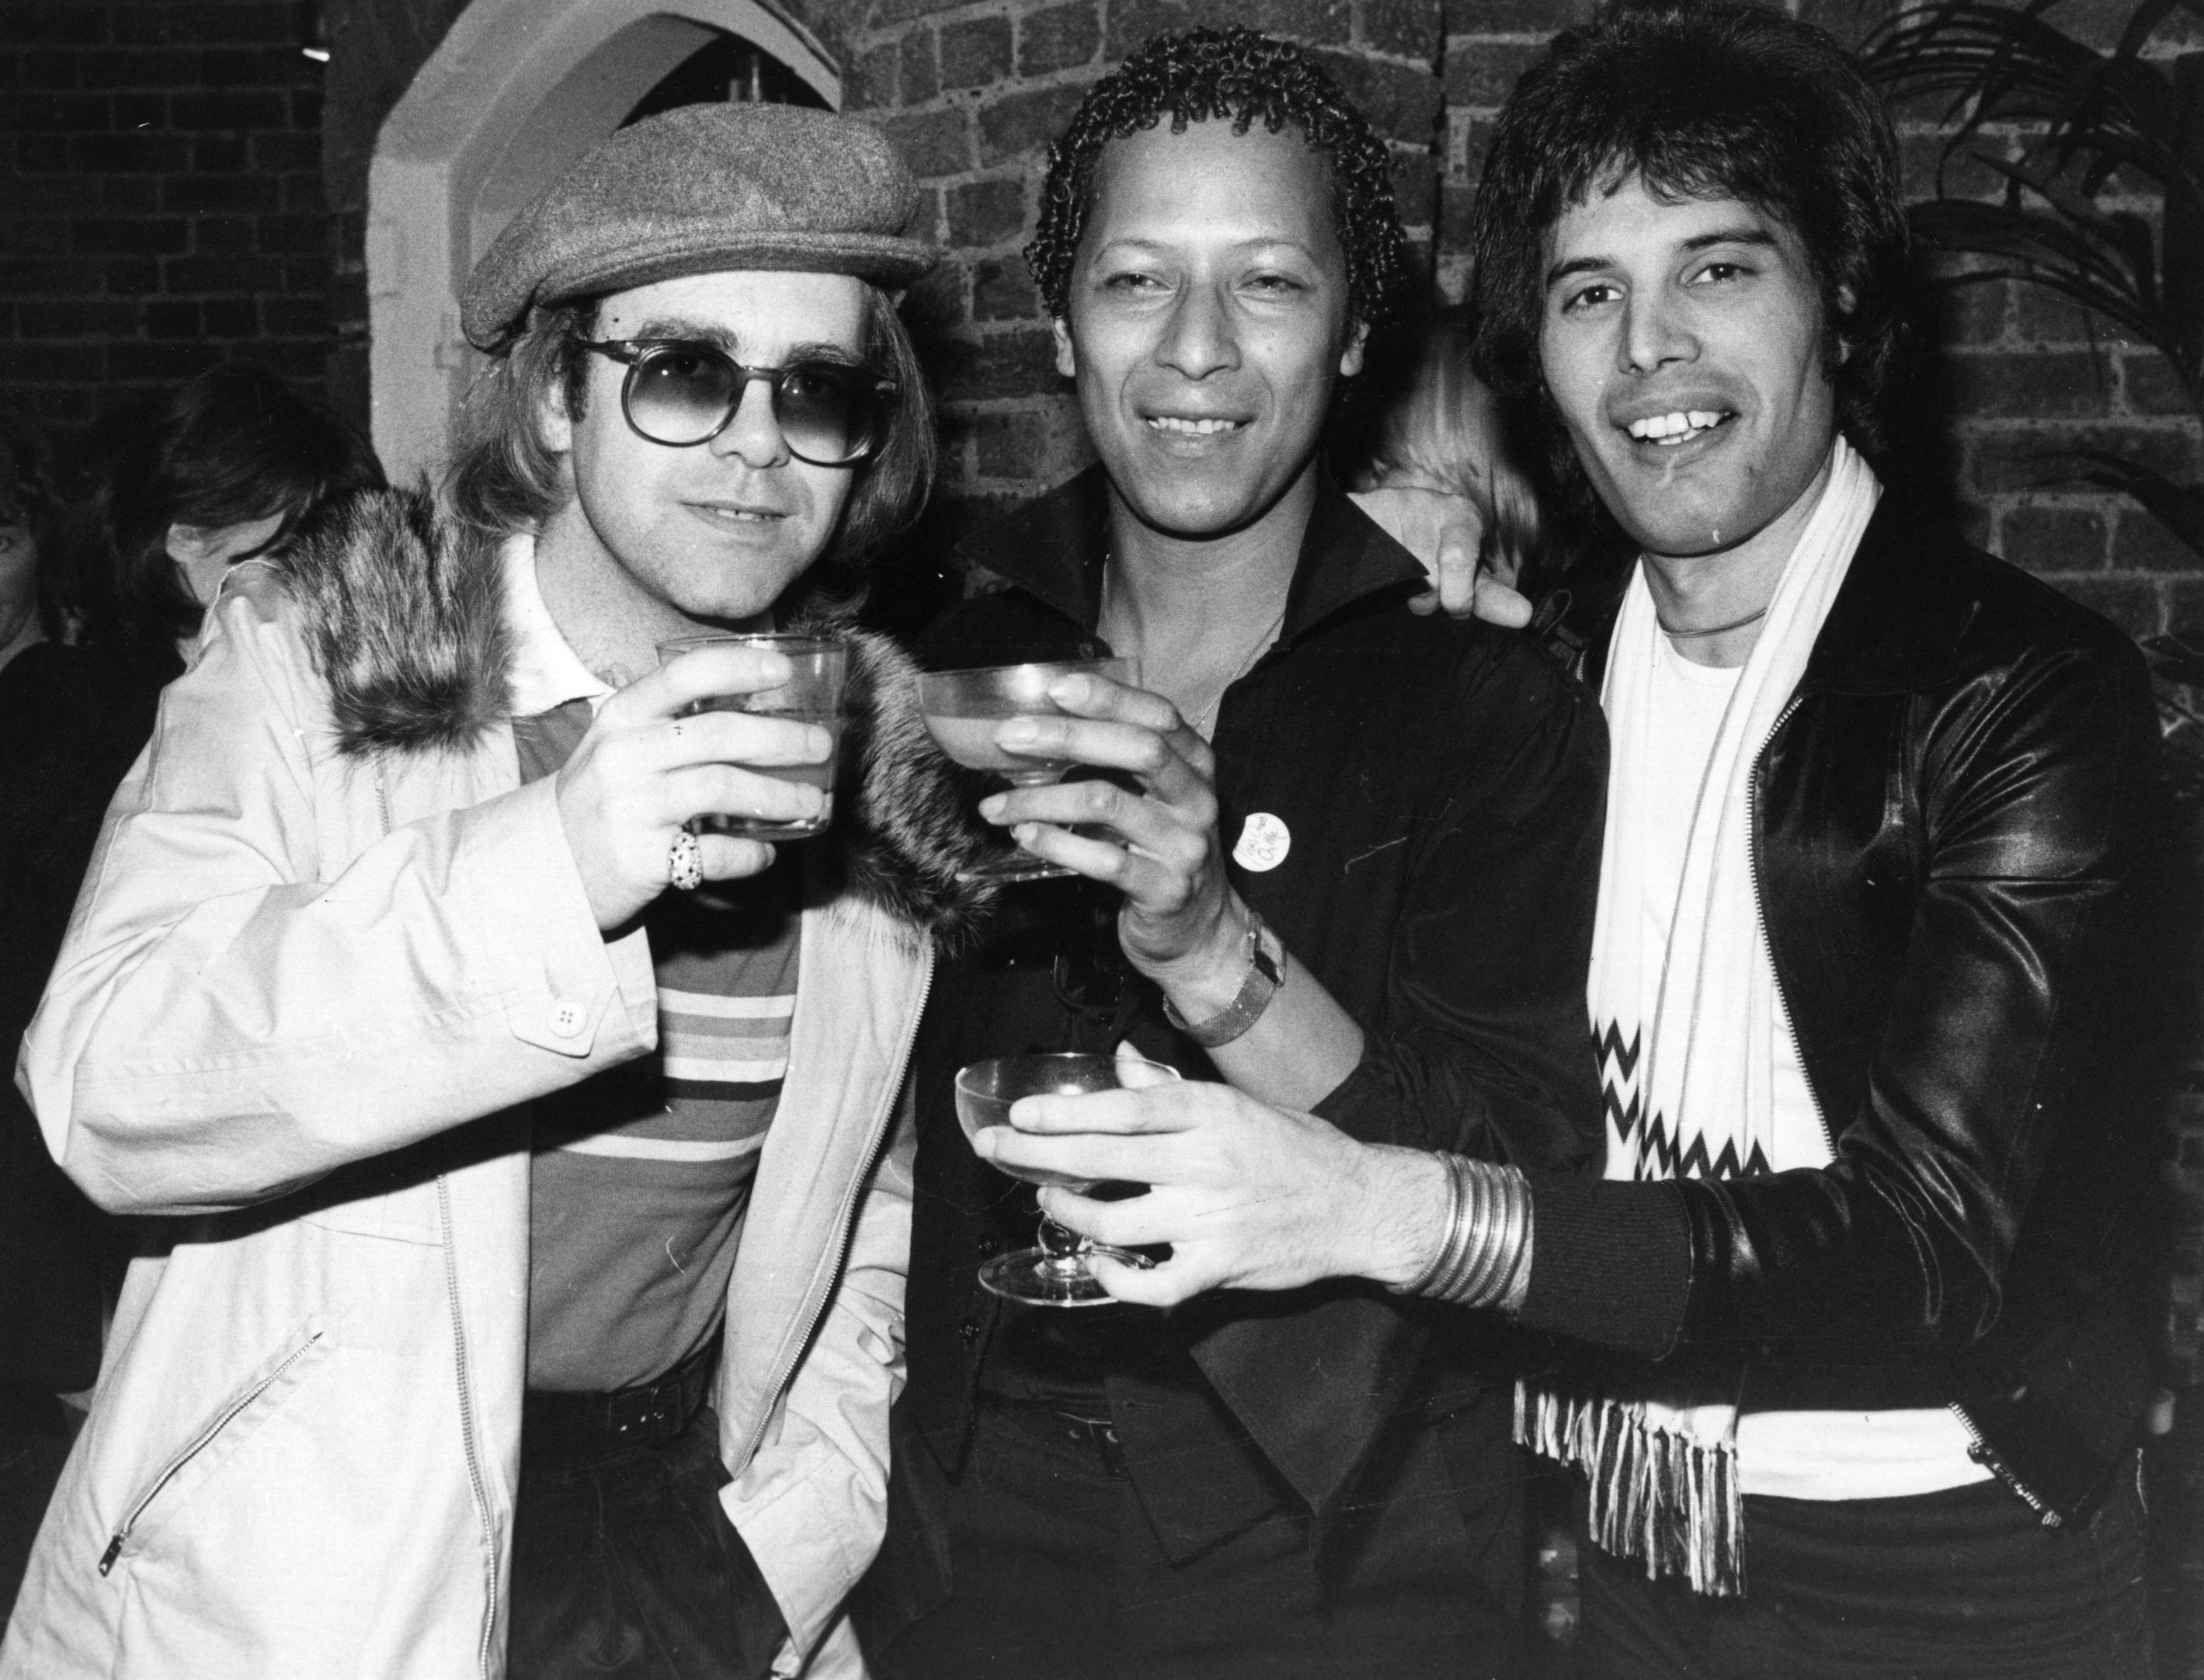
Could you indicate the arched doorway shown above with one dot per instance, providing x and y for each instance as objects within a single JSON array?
[{"x": 516, "y": 92}]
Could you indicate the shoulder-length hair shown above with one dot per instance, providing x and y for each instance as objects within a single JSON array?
[
  {"x": 1698, "y": 99},
  {"x": 505, "y": 478},
  {"x": 234, "y": 446}
]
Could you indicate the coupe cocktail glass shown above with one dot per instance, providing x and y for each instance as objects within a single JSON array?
[
  {"x": 1056, "y": 1273},
  {"x": 963, "y": 710}
]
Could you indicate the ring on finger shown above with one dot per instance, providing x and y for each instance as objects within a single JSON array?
[{"x": 684, "y": 862}]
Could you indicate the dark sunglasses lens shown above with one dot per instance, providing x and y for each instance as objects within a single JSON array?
[
  {"x": 828, "y": 413},
  {"x": 680, "y": 393},
  {"x": 684, "y": 393}
]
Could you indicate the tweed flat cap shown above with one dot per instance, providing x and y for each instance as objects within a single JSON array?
[{"x": 699, "y": 190}]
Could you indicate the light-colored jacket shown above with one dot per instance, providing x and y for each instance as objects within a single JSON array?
[{"x": 309, "y": 989}]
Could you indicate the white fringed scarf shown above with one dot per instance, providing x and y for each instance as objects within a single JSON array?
[{"x": 1663, "y": 1470}]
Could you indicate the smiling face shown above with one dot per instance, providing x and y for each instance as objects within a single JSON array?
[
  {"x": 717, "y": 531},
  {"x": 1208, "y": 322},
  {"x": 1682, "y": 343}
]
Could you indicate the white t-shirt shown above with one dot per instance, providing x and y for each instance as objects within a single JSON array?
[{"x": 1800, "y": 1455}]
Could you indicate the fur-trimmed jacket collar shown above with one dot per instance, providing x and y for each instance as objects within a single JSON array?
[{"x": 405, "y": 618}]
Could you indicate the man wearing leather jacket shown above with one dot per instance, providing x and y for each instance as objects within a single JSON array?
[{"x": 1853, "y": 1379}]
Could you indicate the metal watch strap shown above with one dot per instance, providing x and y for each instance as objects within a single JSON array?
[{"x": 1266, "y": 972}]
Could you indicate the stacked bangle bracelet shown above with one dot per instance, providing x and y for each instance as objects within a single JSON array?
[{"x": 1485, "y": 1258}]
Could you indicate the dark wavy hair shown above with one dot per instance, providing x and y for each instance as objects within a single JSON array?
[
  {"x": 503, "y": 478},
  {"x": 233, "y": 445},
  {"x": 1699, "y": 99},
  {"x": 1200, "y": 75}
]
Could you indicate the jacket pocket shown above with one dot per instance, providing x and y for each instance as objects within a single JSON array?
[{"x": 233, "y": 1423}]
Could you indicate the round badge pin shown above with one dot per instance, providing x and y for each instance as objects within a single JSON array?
[{"x": 1264, "y": 841}]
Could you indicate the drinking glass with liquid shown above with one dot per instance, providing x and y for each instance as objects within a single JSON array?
[{"x": 818, "y": 667}]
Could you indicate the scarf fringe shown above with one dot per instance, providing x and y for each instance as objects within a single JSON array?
[{"x": 1656, "y": 1494}]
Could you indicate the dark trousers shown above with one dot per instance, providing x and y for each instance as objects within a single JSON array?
[
  {"x": 627, "y": 1565},
  {"x": 1056, "y": 1572},
  {"x": 1961, "y": 1585}
]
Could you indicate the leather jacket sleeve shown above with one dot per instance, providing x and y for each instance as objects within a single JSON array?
[{"x": 2031, "y": 784}]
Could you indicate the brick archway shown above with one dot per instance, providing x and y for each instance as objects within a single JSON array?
[{"x": 515, "y": 92}]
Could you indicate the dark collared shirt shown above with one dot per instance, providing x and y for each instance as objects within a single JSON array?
[{"x": 1438, "y": 789}]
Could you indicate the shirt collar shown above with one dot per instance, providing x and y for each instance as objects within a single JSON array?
[
  {"x": 547, "y": 672},
  {"x": 1053, "y": 548}
]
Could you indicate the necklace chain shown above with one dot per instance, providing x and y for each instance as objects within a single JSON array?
[
  {"x": 1711, "y": 630},
  {"x": 1201, "y": 720}
]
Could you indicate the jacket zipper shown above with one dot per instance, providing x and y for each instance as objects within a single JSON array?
[
  {"x": 476, "y": 1485},
  {"x": 1980, "y": 1450},
  {"x": 198, "y": 1445},
  {"x": 1760, "y": 912},
  {"x": 1987, "y": 1456},
  {"x": 785, "y": 1369}
]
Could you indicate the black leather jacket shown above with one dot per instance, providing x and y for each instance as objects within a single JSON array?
[{"x": 1958, "y": 843}]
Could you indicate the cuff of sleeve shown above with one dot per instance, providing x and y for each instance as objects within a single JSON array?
[
  {"x": 1613, "y": 1265},
  {"x": 811, "y": 1544},
  {"x": 515, "y": 872}
]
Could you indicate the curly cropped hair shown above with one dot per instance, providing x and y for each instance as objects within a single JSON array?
[
  {"x": 1698, "y": 99},
  {"x": 1200, "y": 75}
]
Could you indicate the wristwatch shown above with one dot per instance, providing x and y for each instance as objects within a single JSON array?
[{"x": 1266, "y": 972}]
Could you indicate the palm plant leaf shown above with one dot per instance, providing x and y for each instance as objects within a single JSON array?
[
  {"x": 2099, "y": 118},
  {"x": 2178, "y": 507}
]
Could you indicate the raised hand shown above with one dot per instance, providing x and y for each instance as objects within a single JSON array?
[
  {"x": 644, "y": 771},
  {"x": 1160, "y": 846},
  {"x": 1446, "y": 532}
]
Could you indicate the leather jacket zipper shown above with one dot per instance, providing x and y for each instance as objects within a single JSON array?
[
  {"x": 1987, "y": 1456},
  {"x": 1980, "y": 1449},
  {"x": 198, "y": 1444},
  {"x": 848, "y": 1221},
  {"x": 1760, "y": 912}
]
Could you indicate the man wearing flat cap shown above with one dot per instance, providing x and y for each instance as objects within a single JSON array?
[{"x": 522, "y": 1285}]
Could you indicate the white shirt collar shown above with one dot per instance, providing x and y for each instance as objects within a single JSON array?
[{"x": 547, "y": 672}]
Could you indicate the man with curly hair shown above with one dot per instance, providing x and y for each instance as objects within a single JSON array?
[{"x": 1340, "y": 855}]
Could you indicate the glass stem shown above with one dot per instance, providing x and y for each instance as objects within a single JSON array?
[{"x": 1067, "y": 1250}]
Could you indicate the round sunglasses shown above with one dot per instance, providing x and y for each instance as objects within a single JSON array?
[{"x": 682, "y": 392}]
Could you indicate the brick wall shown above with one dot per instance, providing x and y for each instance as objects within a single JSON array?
[
  {"x": 160, "y": 208},
  {"x": 163, "y": 207}
]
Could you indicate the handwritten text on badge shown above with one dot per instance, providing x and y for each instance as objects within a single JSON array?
[{"x": 1264, "y": 841}]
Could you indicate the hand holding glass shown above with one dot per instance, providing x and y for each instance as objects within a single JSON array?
[
  {"x": 964, "y": 708},
  {"x": 1057, "y": 1272},
  {"x": 813, "y": 694}
]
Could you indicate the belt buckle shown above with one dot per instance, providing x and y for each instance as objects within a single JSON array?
[{"x": 630, "y": 1417}]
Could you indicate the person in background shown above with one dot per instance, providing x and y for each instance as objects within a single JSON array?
[
  {"x": 1434, "y": 426},
  {"x": 233, "y": 465},
  {"x": 28, "y": 506},
  {"x": 235, "y": 462},
  {"x": 1345, "y": 861},
  {"x": 1856, "y": 1310}
]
